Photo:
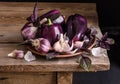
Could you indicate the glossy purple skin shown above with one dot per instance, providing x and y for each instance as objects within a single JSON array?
[
  {"x": 51, "y": 32},
  {"x": 80, "y": 23},
  {"x": 70, "y": 31},
  {"x": 76, "y": 27},
  {"x": 48, "y": 14}
]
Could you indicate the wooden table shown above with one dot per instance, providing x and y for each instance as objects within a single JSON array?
[{"x": 41, "y": 71}]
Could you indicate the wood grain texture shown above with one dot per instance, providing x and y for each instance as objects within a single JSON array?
[
  {"x": 64, "y": 77},
  {"x": 27, "y": 78},
  {"x": 13, "y": 16},
  {"x": 41, "y": 64}
]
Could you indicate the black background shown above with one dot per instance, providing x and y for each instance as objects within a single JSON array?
[{"x": 109, "y": 21}]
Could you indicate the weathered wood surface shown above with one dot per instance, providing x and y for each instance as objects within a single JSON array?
[
  {"x": 12, "y": 18},
  {"x": 27, "y": 78},
  {"x": 41, "y": 64},
  {"x": 64, "y": 77}
]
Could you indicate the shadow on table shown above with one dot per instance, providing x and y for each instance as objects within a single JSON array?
[{"x": 104, "y": 77}]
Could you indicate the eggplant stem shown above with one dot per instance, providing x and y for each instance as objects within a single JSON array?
[
  {"x": 49, "y": 22},
  {"x": 24, "y": 42}
]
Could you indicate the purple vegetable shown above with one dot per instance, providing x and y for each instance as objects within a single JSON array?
[
  {"x": 50, "y": 32},
  {"x": 70, "y": 30},
  {"x": 42, "y": 45},
  {"x": 54, "y": 15},
  {"x": 49, "y": 14},
  {"x": 28, "y": 31},
  {"x": 30, "y": 28},
  {"x": 76, "y": 27}
]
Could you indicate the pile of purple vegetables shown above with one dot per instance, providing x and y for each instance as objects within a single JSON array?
[{"x": 51, "y": 33}]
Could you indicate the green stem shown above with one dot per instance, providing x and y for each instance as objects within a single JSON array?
[{"x": 49, "y": 22}]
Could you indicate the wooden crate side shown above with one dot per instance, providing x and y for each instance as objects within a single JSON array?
[
  {"x": 28, "y": 78},
  {"x": 64, "y": 77}
]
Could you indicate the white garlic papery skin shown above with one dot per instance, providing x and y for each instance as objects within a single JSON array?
[
  {"x": 62, "y": 45},
  {"x": 78, "y": 44},
  {"x": 29, "y": 56},
  {"x": 16, "y": 54},
  {"x": 29, "y": 32},
  {"x": 98, "y": 51}
]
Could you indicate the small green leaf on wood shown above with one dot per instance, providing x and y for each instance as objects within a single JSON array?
[{"x": 85, "y": 62}]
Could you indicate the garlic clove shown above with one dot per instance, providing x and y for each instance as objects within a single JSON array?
[
  {"x": 98, "y": 51},
  {"x": 62, "y": 45},
  {"x": 11, "y": 54},
  {"x": 57, "y": 47},
  {"x": 67, "y": 47},
  {"x": 78, "y": 44},
  {"x": 29, "y": 56},
  {"x": 16, "y": 54},
  {"x": 71, "y": 46},
  {"x": 72, "y": 52}
]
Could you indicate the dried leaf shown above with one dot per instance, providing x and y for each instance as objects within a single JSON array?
[{"x": 85, "y": 62}]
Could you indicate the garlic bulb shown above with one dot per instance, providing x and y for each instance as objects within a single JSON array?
[
  {"x": 16, "y": 54},
  {"x": 42, "y": 45},
  {"x": 78, "y": 44},
  {"x": 63, "y": 46}
]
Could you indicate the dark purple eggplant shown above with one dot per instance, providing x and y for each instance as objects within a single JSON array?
[
  {"x": 49, "y": 15},
  {"x": 76, "y": 27},
  {"x": 54, "y": 15},
  {"x": 50, "y": 32},
  {"x": 70, "y": 30}
]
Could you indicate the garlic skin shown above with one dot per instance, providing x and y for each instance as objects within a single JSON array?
[
  {"x": 29, "y": 56},
  {"x": 63, "y": 46},
  {"x": 78, "y": 44},
  {"x": 29, "y": 32},
  {"x": 42, "y": 45},
  {"x": 16, "y": 54},
  {"x": 98, "y": 51}
]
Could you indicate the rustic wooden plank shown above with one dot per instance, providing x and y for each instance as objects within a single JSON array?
[
  {"x": 11, "y": 33},
  {"x": 64, "y": 77},
  {"x": 28, "y": 78},
  {"x": 13, "y": 16},
  {"x": 42, "y": 5},
  {"x": 41, "y": 64}
]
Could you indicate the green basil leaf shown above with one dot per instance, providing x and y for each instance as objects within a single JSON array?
[{"x": 85, "y": 62}]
